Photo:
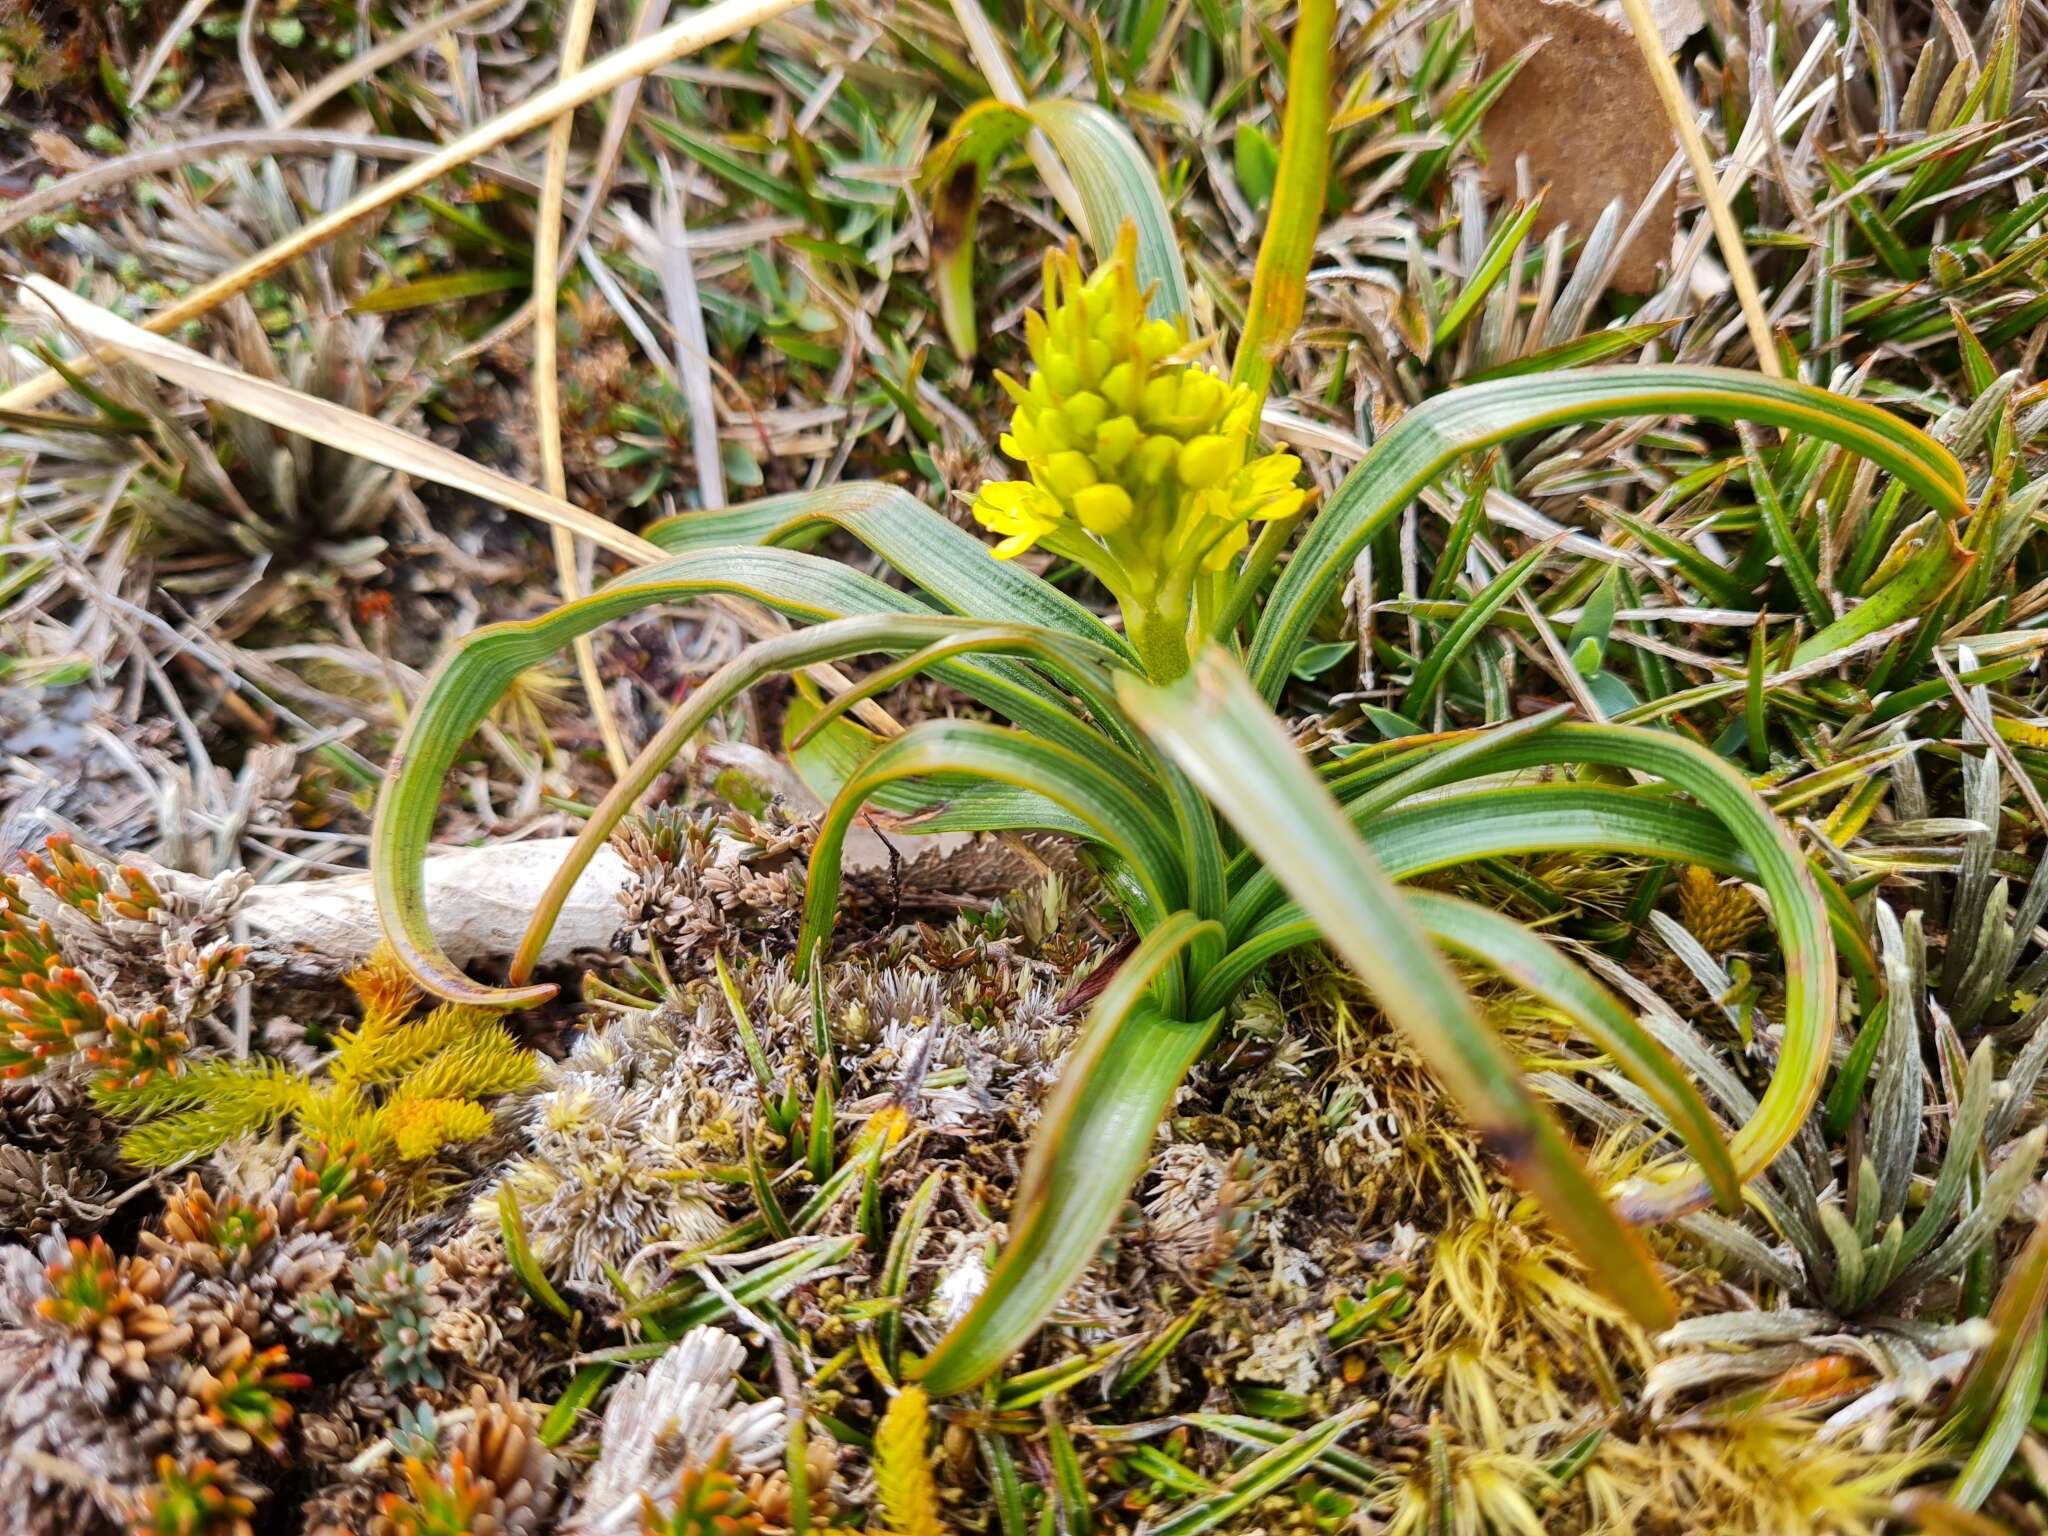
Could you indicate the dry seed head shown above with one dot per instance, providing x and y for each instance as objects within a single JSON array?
[{"x": 1719, "y": 916}]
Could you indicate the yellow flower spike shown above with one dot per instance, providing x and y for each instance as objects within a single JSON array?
[{"x": 1143, "y": 460}]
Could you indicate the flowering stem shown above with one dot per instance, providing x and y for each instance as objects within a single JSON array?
[{"x": 1159, "y": 634}]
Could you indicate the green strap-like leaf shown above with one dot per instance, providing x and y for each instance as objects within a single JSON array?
[
  {"x": 1429, "y": 439},
  {"x": 1213, "y": 725},
  {"x": 1118, "y": 186},
  {"x": 1535, "y": 965},
  {"x": 1089, "y": 1148},
  {"x": 1732, "y": 831},
  {"x": 1300, "y": 190},
  {"x": 1505, "y": 821},
  {"x": 942, "y": 558},
  {"x": 1119, "y": 804},
  {"x": 476, "y": 676}
]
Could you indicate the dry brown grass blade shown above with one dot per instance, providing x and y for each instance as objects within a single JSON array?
[
  {"x": 145, "y": 75},
  {"x": 547, "y": 383},
  {"x": 237, "y": 143},
  {"x": 1726, "y": 231},
  {"x": 352, "y": 432},
  {"x": 618, "y": 120},
  {"x": 696, "y": 30},
  {"x": 325, "y": 422}
]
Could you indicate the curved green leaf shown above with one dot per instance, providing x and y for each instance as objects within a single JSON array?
[
  {"x": 1429, "y": 439},
  {"x": 1213, "y": 725},
  {"x": 1110, "y": 799},
  {"x": 1536, "y": 966},
  {"x": 940, "y": 557},
  {"x": 1528, "y": 960},
  {"x": 1118, "y": 186},
  {"x": 476, "y": 676},
  {"x": 1089, "y": 1148},
  {"x": 1505, "y": 821},
  {"x": 829, "y": 641},
  {"x": 1731, "y": 831}
]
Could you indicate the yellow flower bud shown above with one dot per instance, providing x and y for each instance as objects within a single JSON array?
[
  {"x": 1159, "y": 338},
  {"x": 1155, "y": 458},
  {"x": 1084, "y": 413},
  {"x": 1124, "y": 386},
  {"x": 1114, "y": 440},
  {"x": 1161, "y": 400},
  {"x": 1052, "y": 432},
  {"x": 1205, "y": 462},
  {"x": 1103, "y": 509},
  {"x": 1065, "y": 473}
]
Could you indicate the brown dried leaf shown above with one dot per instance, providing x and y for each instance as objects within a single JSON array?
[
  {"x": 1585, "y": 115},
  {"x": 59, "y": 153}
]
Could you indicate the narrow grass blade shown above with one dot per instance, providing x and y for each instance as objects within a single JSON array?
[
  {"x": 2016, "y": 1330},
  {"x": 2010, "y": 1417},
  {"x": 1436, "y": 666},
  {"x": 696, "y": 30},
  {"x": 325, "y": 422},
  {"x": 774, "y": 1279},
  {"x": 1931, "y": 570},
  {"x": 521, "y": 1258},
  {"x": 1277, "y": 1468},
  {"x": 581, "y": 1393},
  {"x": 1280, "y": 279}
]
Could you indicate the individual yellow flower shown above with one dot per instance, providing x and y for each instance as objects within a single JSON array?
[{"x": 1144, "y": 466}]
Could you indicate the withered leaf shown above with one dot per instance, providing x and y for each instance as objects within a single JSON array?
[
  {"x": 1584, "y": 114},
  {"x": 59, "y": 153}
]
